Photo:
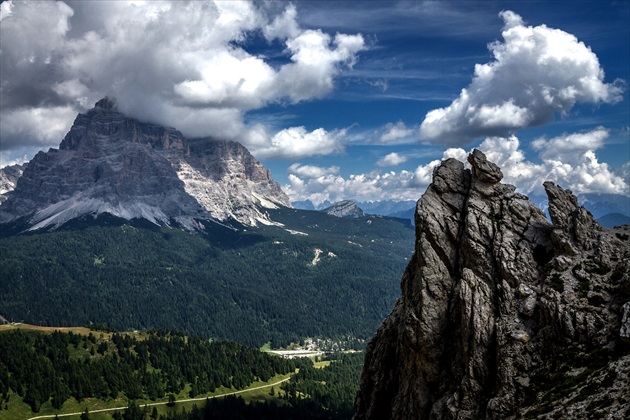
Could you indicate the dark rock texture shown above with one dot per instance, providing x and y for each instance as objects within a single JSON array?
[
  {"x": 503, "y": 314},
  {"x": 109, "y": 163},
  {"x": 345, "y": 208}
]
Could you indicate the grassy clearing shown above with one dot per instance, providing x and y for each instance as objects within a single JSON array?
[
  {"x": 18, "y": 410},
  {"x": 320, "y": 365},
  {"x": 105, "y": 335},
  {"x": 47, "y": 330}
]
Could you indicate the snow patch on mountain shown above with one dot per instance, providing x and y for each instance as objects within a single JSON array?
[{"x": 59, "y": 213}]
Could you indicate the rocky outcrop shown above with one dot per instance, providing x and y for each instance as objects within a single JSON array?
[
  {"x": 345, "y": 208},
  {"x": 8, "y": 178},
  {"x": 503, "y": 314},
  {"x": 109, "y": 163}
]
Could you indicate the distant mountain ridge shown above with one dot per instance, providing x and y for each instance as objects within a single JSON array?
[
  {"x": 381, "y": 207},
  {"x": 611, "y": 220},
  {"x": 109, "y": 163},
  {"x": 609, "y": 210},
  {"x": 345, "y": 208}
]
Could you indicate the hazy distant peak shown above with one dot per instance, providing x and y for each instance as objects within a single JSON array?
[{"x": 345, "y": 208}]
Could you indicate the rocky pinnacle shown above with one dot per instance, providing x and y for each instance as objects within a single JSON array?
[{"x": 494, "y": 299}]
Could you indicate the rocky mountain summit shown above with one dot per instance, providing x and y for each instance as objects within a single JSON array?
[
  {"x": 503, "y": 314},
  {"x": 345, "y": 208},
  {"x": 109, "y": 163}
]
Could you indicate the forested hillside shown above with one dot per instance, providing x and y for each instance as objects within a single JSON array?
[
  {"x": 38, "y": 367},
  {"x": 317, "y": 276},
  {"x": 313, "y": 394},
  {"x": 63, "y": 372}
]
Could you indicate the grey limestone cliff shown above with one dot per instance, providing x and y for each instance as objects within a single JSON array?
[
  {"x": 109, "y": 163},
  {"x": 503, "y": 314},
  {"x": 345, "y": 208},
  {"x": 8, "y": 178}
]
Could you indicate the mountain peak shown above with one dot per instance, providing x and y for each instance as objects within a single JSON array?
[
  {"x": 107, "y": 104},
  {"x": 494, "y": 299},
  {"x": 110, "y": 163},
  {"x": 484, "y": 170},
  {"x": 344, "y": 208}
]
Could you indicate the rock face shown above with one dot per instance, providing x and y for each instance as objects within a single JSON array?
[
  {"x": 8, "y": 178},
  {"x": 108, "y": 163},
  {"x": 345, "y": 208},
  {"x": 503, "y": 314}
]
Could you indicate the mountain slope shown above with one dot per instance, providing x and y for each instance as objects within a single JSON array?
[
  {"x": 108, "y": 163},
  {"x": 503, "y": 314},
  {"x": 318, "y": 275},
  {"x": 611, "y": 220},
  {"x": 92, "y": 232}
]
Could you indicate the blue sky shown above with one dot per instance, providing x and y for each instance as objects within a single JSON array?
[{"x": 338, "y": 98}]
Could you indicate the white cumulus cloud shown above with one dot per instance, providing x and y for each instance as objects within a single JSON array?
[
  {"x": 395, "y": 132},
  {"x": 181, "y": 64},
  {"x": 537, "y": 72},
  {"x": 570, "y": 146},
  {"x": 293, "y": 142},
  {"x": 373, "y": 186},
  {"x": 362, "y": 187},
  {"x": 391, "y": 159},
  {"x": 311, "y": 171},
  {"x": 45, "y": 126},
  {"x": 283, "y": 26},
  {"x": 316, "y": 58},
  {"x": 569, "y": 160}
]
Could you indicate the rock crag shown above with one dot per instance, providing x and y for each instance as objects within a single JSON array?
[
  {"x": 8, "y": 178},
  {"x": 345, "y": 208},
  {"x": 109, "y": 163},
  {"x": 503, "y": 314}
]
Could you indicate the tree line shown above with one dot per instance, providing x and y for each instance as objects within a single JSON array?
[
  {"x": 313, "y": 394},
  {"x": 41, "y": 367}
]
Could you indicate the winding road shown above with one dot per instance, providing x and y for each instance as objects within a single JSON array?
[{"x": 52, "y": 416}]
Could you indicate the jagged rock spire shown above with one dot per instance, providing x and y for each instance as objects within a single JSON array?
[{"x": 493, "y": 294}]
